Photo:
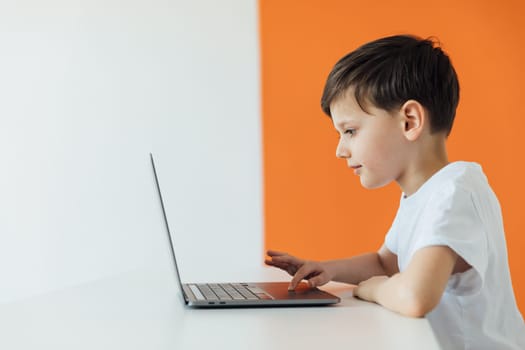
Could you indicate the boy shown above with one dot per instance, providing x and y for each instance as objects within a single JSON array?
[{"x": 393, "y": 103}]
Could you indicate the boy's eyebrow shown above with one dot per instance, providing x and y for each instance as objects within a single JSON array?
[
  {"x": 338, "y": 127},
  {"x": 342, "y": 123}
]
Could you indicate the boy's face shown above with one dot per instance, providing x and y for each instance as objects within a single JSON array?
[{"x": 372, "y": 142}]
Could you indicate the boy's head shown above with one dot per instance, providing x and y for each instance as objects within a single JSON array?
[{"x": 390, "y": 71}]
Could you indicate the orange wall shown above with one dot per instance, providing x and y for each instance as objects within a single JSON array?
[{"x": 314, "y": 206}]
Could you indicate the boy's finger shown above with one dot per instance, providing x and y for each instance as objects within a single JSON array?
[
  {"x": 276, "y": 264},
  {"x": 273, "y": 253},
  {"x": 269, "y": 262},
  {"x": 288, "y": 259},
  {"x": 298, "y": 277},
  {"x": 316, "y": 281}
]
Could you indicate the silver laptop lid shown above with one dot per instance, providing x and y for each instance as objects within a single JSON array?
[{"x": 177, "y": 274}]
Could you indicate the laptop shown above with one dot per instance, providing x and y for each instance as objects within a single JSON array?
[{"x": 241, "y": 294}]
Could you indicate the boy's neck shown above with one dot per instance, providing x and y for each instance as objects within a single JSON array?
[{"x": 430, "y": 157}]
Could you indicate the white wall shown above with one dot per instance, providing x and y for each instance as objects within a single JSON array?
[{"x": 87, "y": 89}]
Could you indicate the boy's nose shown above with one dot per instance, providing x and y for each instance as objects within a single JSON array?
[{"x": 342, "y": 151}]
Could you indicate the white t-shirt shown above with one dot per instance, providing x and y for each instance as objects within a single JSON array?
[{"x": 457, "y": 208}]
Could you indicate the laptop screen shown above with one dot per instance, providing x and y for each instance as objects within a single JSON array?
[{"x": 177, "y": 274}]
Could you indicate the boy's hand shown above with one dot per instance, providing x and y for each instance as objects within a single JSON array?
[
  {"x": 313, "y": 271},
  {"x": 367, "y": 290}
]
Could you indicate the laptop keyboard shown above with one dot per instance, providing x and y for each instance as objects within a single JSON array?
[{"x": 227, "y": 291}]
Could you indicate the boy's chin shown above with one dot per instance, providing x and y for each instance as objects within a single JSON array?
[{"x": 371, "y": 185}]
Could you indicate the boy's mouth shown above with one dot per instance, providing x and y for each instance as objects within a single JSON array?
[{"x": 356, "y": 168}]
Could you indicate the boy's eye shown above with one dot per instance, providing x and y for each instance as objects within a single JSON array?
[{"x": 350, "y": 132}]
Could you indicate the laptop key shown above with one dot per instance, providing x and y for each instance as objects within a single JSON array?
[
  {"x": 221, "y": 293},
  {"x": 264, "y": 296},
  {"x": 196, "y": 292},
  {"x": 245, "y": 292},
  {"x": 207, "y": 292},
  {"x": 261, "y": 294},
  {"x": 234, "y": 293}
]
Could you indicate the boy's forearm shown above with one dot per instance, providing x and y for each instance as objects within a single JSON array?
[
  {"x": 396, "y": 294},
  {"x": 356, "y": 269}
]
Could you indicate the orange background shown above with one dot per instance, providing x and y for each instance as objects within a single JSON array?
[{"x": 314, "y": 206}]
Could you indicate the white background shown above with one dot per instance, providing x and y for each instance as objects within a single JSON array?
[{"x": 87, "y": 89}]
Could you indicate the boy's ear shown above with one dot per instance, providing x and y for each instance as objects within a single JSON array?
[{"x": 414, "y": 117}]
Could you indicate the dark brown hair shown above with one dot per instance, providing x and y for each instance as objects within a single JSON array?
[{"x": 389, "y": 71}]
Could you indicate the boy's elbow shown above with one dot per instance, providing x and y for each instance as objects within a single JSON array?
[
  {"x": 417, "y": 304},
  {"x": 415, "y": 309}
]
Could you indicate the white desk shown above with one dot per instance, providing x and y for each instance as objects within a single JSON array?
[{"x": 140, "y": 310}]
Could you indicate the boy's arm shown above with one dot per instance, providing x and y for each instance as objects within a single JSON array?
[
  {"x": 362, "y": 267},
  {"x": 418, "y": 289}
]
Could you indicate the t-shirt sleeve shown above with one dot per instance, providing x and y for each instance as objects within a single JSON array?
[
  {"x": 451, "y": 219},
  {"x": 391, "y": 237},
  {"x": 391, "y": 240}
]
